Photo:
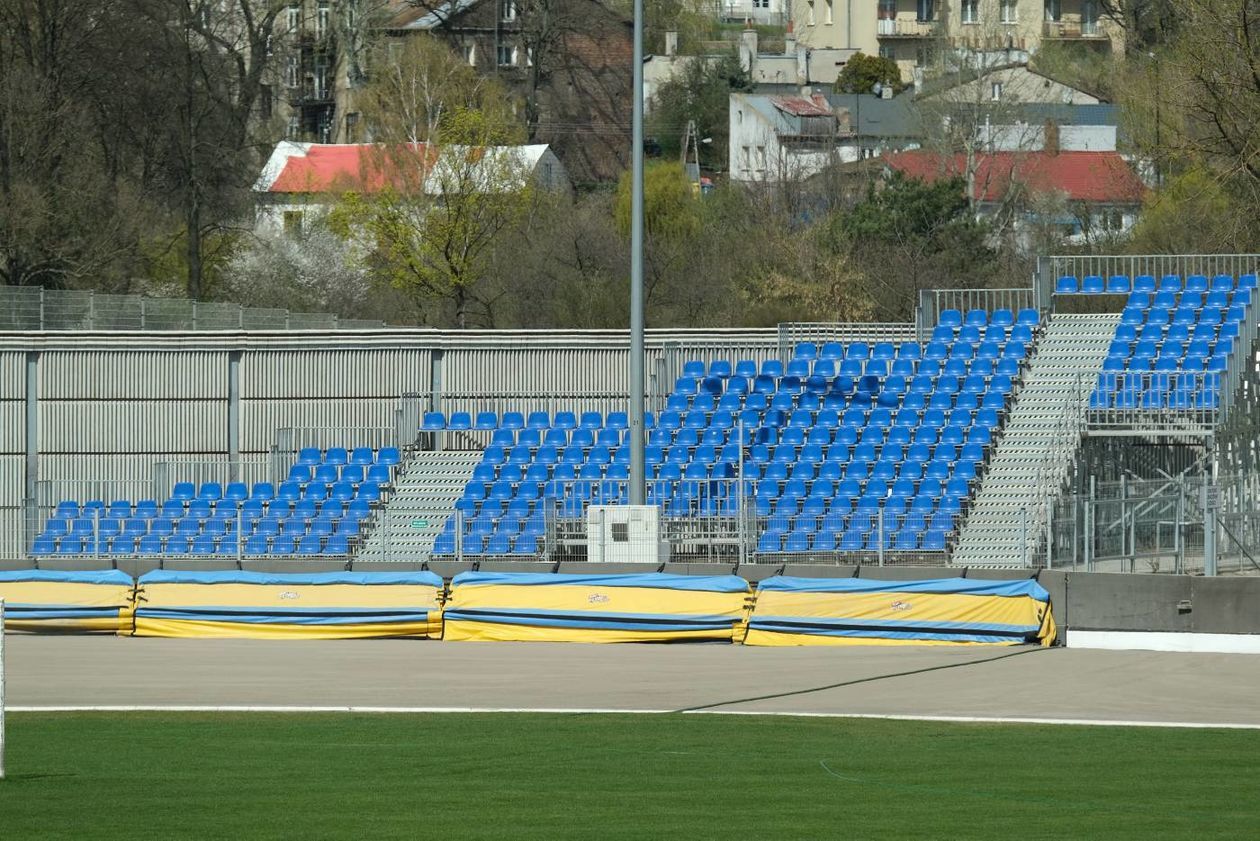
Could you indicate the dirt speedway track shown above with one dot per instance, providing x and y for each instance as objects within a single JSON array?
[{"x": 998, "y": 683}]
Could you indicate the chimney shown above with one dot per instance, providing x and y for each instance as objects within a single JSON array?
[
  {"x": 789, "y": 40},
  {"x": 1051, "y": 137},
  {"x": 671, "y": 42},
  {"x": 748, "y": 48}
]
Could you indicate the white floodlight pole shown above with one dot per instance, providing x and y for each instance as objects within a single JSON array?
[
  {"x": 1, "y": 689},
  {"x": 637, "y": 433}
]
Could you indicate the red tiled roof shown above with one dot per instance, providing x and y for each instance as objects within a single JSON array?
[
  {"x": 799, "y": 106},
  {"x": 358, "y": 167},
  {"x": 1101, "y": 177}
]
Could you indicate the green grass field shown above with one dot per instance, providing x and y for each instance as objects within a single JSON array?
[{"x": 535, "y": 776}]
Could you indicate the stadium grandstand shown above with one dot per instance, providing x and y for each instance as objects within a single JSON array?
[{"x": 1099, "y": 419}]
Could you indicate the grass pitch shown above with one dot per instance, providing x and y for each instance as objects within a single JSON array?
[{"x": 537, "y": 776}]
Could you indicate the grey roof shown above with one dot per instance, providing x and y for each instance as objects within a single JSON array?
[
  {"x": 900, "y": 117},
  {"x": 896, "y": 117}
]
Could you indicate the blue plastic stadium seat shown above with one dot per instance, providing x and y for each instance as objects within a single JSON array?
[
  {"x": 1118, "y": 284},
  {"x": 183, "y": 491},
  {"x": 486, "y": 421},
  {"x": 1092, "y": 285},
  {"x": 459, "y": 421},
  {"x": 433, "y": 422},
  {"x": 1066, "y": 285},
  {"x": 309, "y": 456}
]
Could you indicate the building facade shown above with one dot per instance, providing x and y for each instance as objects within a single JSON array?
[
  {"x": 568, "y": 63},
  {"x": 915, "y": 32}
]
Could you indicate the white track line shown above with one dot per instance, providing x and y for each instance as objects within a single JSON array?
[{"x": 952, "y": 719}]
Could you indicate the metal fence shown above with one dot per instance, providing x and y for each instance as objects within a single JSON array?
[
  {"x": 1160, "y": 526},
  {"x": 1051, "y": 268},
  {"x": 36, "y": 308},
  {"x": 712, "y": 520},
  {"x": 793, "y": 333},
  {"x": 932, "y": 302}
]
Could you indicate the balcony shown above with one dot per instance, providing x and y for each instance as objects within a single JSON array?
[
  {"x": 1073, "y": 30},
  {"x": 907, "y": 28}
]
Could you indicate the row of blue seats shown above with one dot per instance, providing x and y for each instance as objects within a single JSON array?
[
  {"x": 259, "y": 545},
  {"x": 340, "y": 456},
  {"x": 489, "y": 421},
  {"x": 930, "y": 540},
  {"x": 188, "y": 527},
  {"x": 738, "y": 392},
  {"x": 476, "y": 545},
  {"x": 148, "y": 509},
  {"x": 1120, "y": 284},
  {"x": 382, "y": 474}
]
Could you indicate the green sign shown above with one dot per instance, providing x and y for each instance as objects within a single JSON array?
[{"x": 419, "y": 524}]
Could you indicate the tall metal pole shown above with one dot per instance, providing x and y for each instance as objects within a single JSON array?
[
  {"x": 637, "y": 438},
  {"x": 1, "y": 689}
]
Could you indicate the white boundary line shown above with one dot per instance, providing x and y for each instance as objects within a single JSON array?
[{"x": 951, "y": 719}]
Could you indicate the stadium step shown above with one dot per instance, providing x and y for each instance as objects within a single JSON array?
[
  {"x": 1039, "y": 443},
  {"x": 424, "y": 496}
]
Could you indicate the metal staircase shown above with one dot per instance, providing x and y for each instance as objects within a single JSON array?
[
  {"x": 424, "y": 496},
  {"x": 1039, "y": 443}
]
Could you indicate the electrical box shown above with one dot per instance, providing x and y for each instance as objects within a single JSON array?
[{"x": 625, "y": 534}]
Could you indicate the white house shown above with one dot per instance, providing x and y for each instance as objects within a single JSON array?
[{"x": 302, "y": 180}]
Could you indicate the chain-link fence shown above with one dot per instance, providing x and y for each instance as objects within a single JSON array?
[{"x": 36, "y": 308}]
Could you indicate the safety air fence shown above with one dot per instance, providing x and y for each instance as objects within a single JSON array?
[{"x": 514, "y": 606}]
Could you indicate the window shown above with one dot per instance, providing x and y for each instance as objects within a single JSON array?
[
  {"x": 321, "y": 19},
  {"x": 1089, "y": 17},
  {"x": 352, "y": 127},
  {"x": 291, "y": 71},
  {"x": 761, "y": 158},
  {"x": 926, "y": 10},
  {"x": 516, "y": 57},
  {"x": 996, "y": 91},
  {"x": 293, "y": 130},
  {"x": 886, "y": 51},
  {"x": 293, "y": 224},
  {"x": 1009, "y": 11},
  {"x": 294, "y": 16},
  {"x": 505, "y": 56},
  {"x": 507, "y": 10},
  {"x": 970, "y": 11},
  {"x": 830, "y": 12},
  {"x": 470, "y": 55},
  {"x": 809, "y": 13},
  {"x": 321, "y": 77},
  {"x": 761, "y": 4},
  {"x": 745, "y": 158},
  {"x": 1054, "y": 11}
]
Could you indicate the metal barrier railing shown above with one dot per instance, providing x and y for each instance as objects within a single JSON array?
[
  {"x": 1158, "y": 525},
  {"x": 794, "y": 333},
  {"x": 1051, "y": 268},
  {"x": 932, "y": 302},
  {"x": 36, "y": 308}
]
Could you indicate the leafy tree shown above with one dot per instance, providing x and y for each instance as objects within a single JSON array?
[
  {"x": 436, "y": 210},
  {"x": 910, "y": 235},
  {"x": 669, "y": 209},
  {"x": 862, "y": 72},
  {"x": 1195, "y": 212},
  {"x": 700, "y": 91}
]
